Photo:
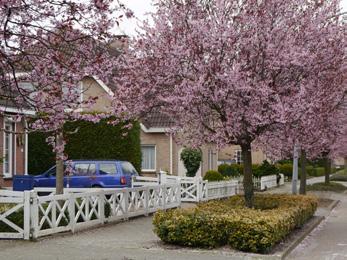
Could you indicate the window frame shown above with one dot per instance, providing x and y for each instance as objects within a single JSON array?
[
  {"x": 108, "y": 163},
  {"x": 155, "y": 157},
  {"x": 86, "y": 175},
  {"x": 236, "y": 156}
]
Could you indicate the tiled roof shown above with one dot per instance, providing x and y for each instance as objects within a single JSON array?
[{"x": 157, "y": 119}]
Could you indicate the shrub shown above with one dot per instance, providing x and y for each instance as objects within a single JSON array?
[
  {"x": 310, "y": 170},
  {"x": 213, "y": 176},
  {"x": 265, "y": 169},
  {"x": 226, "y": 170},
  {"x": 92, "y": 141},
  {"x": 191, "y": 159},
  {"x": 217, "y": 223},
  {"x": 237, "y": 168},
  {"x": 286, "y": 169},
  {"x": 319, "y": 171}
]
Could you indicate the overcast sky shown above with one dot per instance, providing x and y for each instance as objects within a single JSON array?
[{"x": 141, "y": 7}]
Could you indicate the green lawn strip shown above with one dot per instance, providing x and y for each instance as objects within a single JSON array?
[{"x": 332, "y": 186}]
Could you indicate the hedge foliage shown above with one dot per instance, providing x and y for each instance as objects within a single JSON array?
[
  {"x": 191, "y": 159},
  {"x": 229, "y": 222},
  {"x": 213, "y": 176},
  {"x": 92, "y": 141},
  {"x": 233, "y": 170}
]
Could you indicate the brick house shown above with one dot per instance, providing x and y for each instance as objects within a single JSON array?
[
  {"x": 159, "y": 150},
  {"x": 232, "y": 154},
  {"x": 13, "y": 143}
]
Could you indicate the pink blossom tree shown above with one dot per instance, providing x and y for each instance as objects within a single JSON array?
[
  {"x": 228, "y": 71},
  {"x": 54, "y": 45}
]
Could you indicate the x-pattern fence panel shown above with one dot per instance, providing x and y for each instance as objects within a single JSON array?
[
  {"x": 14, "y": 203},
  {"x": 44, "y": 215}
]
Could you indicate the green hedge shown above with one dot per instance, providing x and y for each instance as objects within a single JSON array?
[
  {"x": 218, "y": 223},
  {"x": 92, "y": 141},
  {"x": 213, "y": 176}
]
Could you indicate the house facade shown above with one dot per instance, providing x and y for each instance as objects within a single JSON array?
[
  {"x": 13, "y": 143},
  {"x": 161, "y": 152},
  {"x": 232, "y": 154},
  {"x": 159, "y": 149}
]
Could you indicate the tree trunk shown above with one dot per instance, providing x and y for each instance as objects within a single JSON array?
[
  {"x": 247, "y": 174},
  {"x": 59, "y": 185},
  {"x": 327, "y": 169},
  {"x": 303, "y": 172}
]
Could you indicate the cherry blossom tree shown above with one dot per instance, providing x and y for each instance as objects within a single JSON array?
[
  {"x": 54, "y": 44},
  {"x": 227, "y": 72}
]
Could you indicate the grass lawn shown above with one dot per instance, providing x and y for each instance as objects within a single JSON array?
[
  {"x": 339, "y": 176},
  {"x": 332, "y": 186}
]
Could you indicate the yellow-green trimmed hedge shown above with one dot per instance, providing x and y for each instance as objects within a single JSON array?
[{"x": 222, "y": 222}]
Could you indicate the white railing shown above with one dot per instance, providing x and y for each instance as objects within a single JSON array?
[
  {"x": 222, "y": 189},
  {"x": 77, "y": 209},
  {"x": 267, "y": 182},
  {"x": 14, "y": 203},
  {"x": 193, "y": 189}
]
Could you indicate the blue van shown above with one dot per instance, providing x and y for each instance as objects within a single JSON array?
[{"x": 85, "y": 174}]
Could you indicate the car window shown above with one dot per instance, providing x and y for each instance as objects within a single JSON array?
[
  {"x": 52, "y": 171},
  {"x": 128, "y": 168},
  {"x": 108, "y": 168},
  {"x": 84, "y": 169}
]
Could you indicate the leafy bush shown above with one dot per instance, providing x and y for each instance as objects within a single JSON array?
[
  {"x": 237, "y": 169},
  {"x": 265, "y": 169},
  {"x": 226, "y": 170},
  {"x": 213, "y": 176},
  {"x": 332, "y": 186},
  {"x": 310, "y": 170},
  {"x": 286, "y": 169},
  {"x": 92, "y": 141},
  {"x": 191, "y": 159},
  {"x": 217, "y": 223},
  {"x": 319, "y": 171}
]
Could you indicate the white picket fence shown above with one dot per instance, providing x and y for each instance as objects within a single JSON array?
[
  {"x": 78, "y": 209},
  {"x": 193, "y": 189}
]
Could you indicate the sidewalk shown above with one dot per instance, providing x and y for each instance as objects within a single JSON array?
[{"x": 329, "y": 240}]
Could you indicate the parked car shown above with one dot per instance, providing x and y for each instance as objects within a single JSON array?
[{"x": 84, "y": 174}]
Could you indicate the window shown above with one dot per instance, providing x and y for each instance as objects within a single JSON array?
[
  {"x": 148, "y": 157},
  {"x": 85, "y": 169},
  {"x": 238, "y": 156},
  {"x": 128, "y": 168},
  {"x": 108, "y": 168},
  {"x": 9, "y": 147}
]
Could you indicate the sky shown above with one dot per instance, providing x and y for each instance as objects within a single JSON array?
[{"x": 141, "y": 7}]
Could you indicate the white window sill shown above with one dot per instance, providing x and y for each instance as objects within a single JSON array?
[{"x": 148, "y": 170}]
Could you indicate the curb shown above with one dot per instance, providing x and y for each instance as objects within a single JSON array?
[
  {"x": 295, "y": 243},
  {"x": 334, "y": 204}
]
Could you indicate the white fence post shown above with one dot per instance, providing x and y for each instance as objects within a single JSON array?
[
  {"x": 101, "y": 205},
  {"x": 198, "y": 189},
  {"x": 164, "y": 195},
  {"x": 26, "y": 226},
  {"x": 146, "y": 197},
  {"x": 126, "y": 203},
  {"x": 34, "y": 214},
  {"x": 71, "y": 210}
]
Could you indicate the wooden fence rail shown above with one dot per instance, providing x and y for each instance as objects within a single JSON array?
[{"x": 77, "y": 209}]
